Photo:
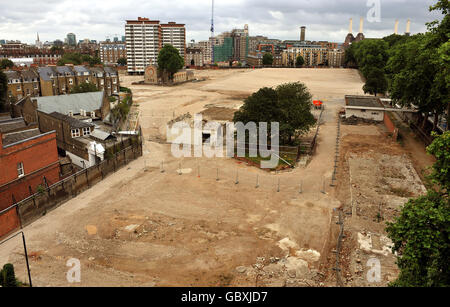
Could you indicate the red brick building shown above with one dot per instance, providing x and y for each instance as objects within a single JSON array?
[{"x": 28, "y": 159}]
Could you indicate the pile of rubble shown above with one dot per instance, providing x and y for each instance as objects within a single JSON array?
[{"x": 353, "y": 120}]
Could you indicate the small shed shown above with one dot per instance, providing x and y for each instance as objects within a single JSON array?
[{"x": 366, "y": 107}]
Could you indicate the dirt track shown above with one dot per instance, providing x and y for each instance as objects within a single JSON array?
[{"x": 141, "y": 227}]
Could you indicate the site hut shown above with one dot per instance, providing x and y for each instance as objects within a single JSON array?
[{"x": 365, "y": 107}]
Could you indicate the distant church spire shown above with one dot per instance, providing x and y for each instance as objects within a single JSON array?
[{"x": 38, "y": 36}]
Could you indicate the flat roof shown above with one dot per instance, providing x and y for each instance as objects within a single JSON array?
[{"x": 363, "y": 101}]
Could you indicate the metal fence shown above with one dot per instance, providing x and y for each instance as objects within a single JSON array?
[{"x": 30, "y": 209}]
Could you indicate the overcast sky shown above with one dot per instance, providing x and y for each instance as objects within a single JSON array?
[{"x": 97, "y": 19}]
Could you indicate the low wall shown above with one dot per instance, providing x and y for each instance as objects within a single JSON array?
[
  {"x": 390, "y": 126},
  {"x": 32, "y": 208}
]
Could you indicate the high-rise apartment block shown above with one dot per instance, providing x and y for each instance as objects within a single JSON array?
[{"x": 145, "y": 38}]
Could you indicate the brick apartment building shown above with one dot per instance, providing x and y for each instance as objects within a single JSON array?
[
  {"x": 60, "y": 80},
  {"x": 28, "y": 159},
  {"x": 145, "y": 38},
  {"x": 111, "y": 52}
]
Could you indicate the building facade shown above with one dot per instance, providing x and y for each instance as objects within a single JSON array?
[
  {"x": 110, "y": 53},
  {"x": 28, "y": 159},
  {"x": 60, "y": 80},
  {"x": 145, "y": 38}
]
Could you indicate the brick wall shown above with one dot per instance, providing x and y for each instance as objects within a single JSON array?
[{"x": 35, "y": 169}]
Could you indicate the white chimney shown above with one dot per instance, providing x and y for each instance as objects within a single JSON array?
[
  {"x": 350, "y": 28},
  {"x": 361, "y": 25},
  {"x": 396, "y": 27},
  {"x": 408, "y": 26}
]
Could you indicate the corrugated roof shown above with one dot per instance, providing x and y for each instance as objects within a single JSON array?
[
  {"x": 100, "y": 134},
  {"x": 70, "y": 103}
]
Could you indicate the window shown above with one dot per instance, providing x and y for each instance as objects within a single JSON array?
[
  {"x": 87, "y": 131},
  {"x": 20, "y": 171},
  {"x": 75, "y": 133},
  {"x": 70, "y": 81},
  {"x": 18, "y": 87}
]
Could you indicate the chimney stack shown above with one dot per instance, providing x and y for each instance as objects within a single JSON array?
[
  {"x": 350, "y": 28},
  {"x": 396, "y": 27},
  {"x": 361, "y": 25},
  {"x": 408, "y": 27}
]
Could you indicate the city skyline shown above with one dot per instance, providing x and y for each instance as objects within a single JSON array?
[{"x": 324, "y": 20}]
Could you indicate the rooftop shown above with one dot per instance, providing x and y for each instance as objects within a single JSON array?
[
  {"x": 16, "y": 137},
  {"x": 70, "y": 103},
  {"x": 73, "y": 122},
  {"x": 363, "y": 101},
  {"x": 7, "y": 125}
]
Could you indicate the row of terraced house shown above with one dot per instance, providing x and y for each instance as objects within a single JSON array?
[{"x": 60, "y": 80}]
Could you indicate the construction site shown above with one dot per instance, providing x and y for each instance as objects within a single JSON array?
[{"x": 167, "y": 221}]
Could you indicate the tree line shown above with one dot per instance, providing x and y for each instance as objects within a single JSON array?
[{"x": 413, "y": 70}]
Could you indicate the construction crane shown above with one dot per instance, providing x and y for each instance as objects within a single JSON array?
[{"x": 212, "y": 33}]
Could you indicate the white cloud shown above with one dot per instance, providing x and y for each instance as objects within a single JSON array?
[{"x": 96, "y": 19}]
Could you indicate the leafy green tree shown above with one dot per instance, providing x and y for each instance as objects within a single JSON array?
[
  {"x": 84, "y": 88},
  {"x": 3, "y": 91},
  {"x": 300, "y": 61},
  {"x": 6, "y": 63},
  {"x": 421, "y": 234},
  {"x": 289, "y": 104},
  {"x": 7, "y": 276},
  {"x": 122, "y": 61},
  {"x": 170, "y": 60},
  {"x": 267, "y": 59},
  {"x": 70, "y": 58},
  {"x": 376, "y": 81},
  {"x": 440, "y": 148}
]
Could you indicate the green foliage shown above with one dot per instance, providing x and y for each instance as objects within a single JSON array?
[
  {"x": 170, "y": 60},
  {"x": 440, "y": 148},
  {"x": 376, "y": 81},
  {"x": 267, "y": 59},
  {"x": 122, "y": 61},
  {"x": 76, "y": 58},
  {"x": 125, "y": 89},
  {"x": 300, "y": 61},
  {"x": 7, "y": 276},
  {"x": 3, "y": 91},
  {"x": 84, "y": 88},
  {"x": 121, "y": 110},
  {"x": 371, "y": 56},
  {"x": 421, "y": 234},
  {"x": 441, "y": 5},
  {"x": 421, "y": 238},
  {"x": 112, "y": 99},
  {"x": 289, "y": 104},
  {"x": 6, "y": 63}
]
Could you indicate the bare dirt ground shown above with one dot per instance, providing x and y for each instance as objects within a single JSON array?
[
  {"x": 376, "y": 177},
  {"x": 164, "y": 221}
]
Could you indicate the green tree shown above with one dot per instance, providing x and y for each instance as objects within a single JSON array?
[
  {"x": 421, "y": 234},
  {"x": 84, "y": 88},
  {"x": 6, "y": 63},
  {"x": 289, "y": 104},
  {"x": 300, "y": 61},
  {"x": 169, "y": 60},
  {"x": 376, "y": 81},
  {"x": 122, "y": 61},
  {"x": 3, "y": 91},
  {"x": 7, "y": 276},
  {"x": 267, "y": 59}
]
